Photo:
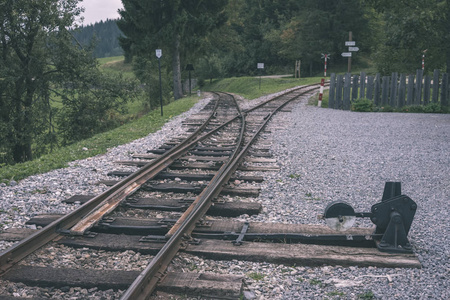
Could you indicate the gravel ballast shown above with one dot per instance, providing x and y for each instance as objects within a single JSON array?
[{"x": 325, "y": 155}]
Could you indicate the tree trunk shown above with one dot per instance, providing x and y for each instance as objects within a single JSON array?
[
  {"x": 447, "y": 35},
  {"x": 176, "y": 66}
]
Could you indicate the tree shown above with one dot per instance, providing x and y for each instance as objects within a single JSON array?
[
  {"x": 40, "y": 64},
  {"x": 410, "y": 28},
  {"x": 105, "y": 36},
  {"x": 175, "y": 26}
]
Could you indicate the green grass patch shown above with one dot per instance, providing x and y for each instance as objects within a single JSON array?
[
  {"x": 99, "y": 143},
  {"x": 106, "y": 60},
  {"x": 256, "y": 276},
  {"x": 367, "y": 295},
  {"x": 248, "y": 87},
  {"x": 116, "y": 66}
]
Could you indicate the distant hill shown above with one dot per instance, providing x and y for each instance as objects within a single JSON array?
[{"x": 105, "y": 34}]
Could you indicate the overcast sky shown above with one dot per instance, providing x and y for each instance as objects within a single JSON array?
[{"x": 97, "y": 10}]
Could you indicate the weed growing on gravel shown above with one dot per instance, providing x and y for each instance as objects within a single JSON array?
[
  {"x": 336, "y": 293},
  {"x": 315, "y": 282},
  {"x": 367, "y": 295},
  {"x": 256, "y": 276},
  {"x": 295, "y": 176}
]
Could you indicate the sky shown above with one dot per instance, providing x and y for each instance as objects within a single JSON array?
[{"x": 98, "y": 10}]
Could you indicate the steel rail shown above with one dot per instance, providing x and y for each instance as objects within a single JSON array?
[
  {"x": 17, "y": 252},
  {"x": 147, "y": 280}
]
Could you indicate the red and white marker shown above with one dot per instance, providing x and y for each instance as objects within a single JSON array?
[{"x": 322, "y": 82}]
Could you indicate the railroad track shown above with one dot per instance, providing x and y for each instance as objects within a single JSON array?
[{"x": 160, "y": 209}]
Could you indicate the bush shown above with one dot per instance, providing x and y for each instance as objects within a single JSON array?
[
  {"x": 432, "y": 108},
  {"x": 362, "y": 105}
]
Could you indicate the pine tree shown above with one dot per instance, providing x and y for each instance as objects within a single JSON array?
[{"x": 174, "y": 26}]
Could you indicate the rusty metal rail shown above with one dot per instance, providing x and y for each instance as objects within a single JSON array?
[
  {"x": 125, "y": 187},
  {"x": 146, "y": 282},
  {"x": 87, "y": 215}
]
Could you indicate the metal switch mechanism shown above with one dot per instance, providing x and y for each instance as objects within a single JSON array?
[{"x": 393, "y": 217}]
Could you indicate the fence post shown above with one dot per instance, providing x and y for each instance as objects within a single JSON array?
[
  {"x": 418, "y": 98},
  {"x": 376, "y": 97},
  {"x": 410, "y": 96},
  {"x": 362, "y": 89},
  {"x": 355, "y": 87},
  {"x": 393, "y": 92},
  {"x": 369, "y": 93},
  {"x": 347, "y": 86},
  {"x": 401, "y": 91},
  {"x": 426, "y": 89},
  {"x": 332, "y": 91},
  {"x": 385, "y": 90},
  {"x": 435, "y": 96},
  {"x": 444, "y": 90},
  {"x": 339, "y": 83}
]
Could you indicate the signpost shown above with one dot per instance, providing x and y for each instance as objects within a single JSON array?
[
  {"x": 260, "y": 66},
  {"x": 158, "y": 55},
  {"x": 351, "y": 44},
  {"x": 325, "y": 65}
]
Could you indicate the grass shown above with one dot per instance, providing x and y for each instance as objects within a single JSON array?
[
  {"x": 256, "y": 276},
  {"x": 115, "y": 66},
  {"x": 248, "y": 87},
  {"x": 97, "y": 144}
]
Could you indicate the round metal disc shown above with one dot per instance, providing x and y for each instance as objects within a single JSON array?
[
  {"x": 339, "y": 216},
  {"x": 341, "y": 224}
]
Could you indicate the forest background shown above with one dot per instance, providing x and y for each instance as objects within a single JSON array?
[{"x": 53, "y": 93}]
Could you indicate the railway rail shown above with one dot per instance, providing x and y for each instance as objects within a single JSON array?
[{"x": 219, "y": 142}]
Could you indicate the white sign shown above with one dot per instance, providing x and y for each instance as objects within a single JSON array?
[
  {"x": 158, "y": 53},
  {"x": 346, "y": 54},
  {"x": 350, "y": 43},
  {"x": 260, "y": 66},
  {"x": 353, "y": 49}
]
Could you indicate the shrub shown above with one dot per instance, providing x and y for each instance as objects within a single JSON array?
[{"x": 362, "y": 105}]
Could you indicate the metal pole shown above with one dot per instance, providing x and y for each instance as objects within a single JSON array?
[
  {"x": 325, "y": 67},
  {"x": 160, "y": 86},
  {"x": 350, "y": 58}
]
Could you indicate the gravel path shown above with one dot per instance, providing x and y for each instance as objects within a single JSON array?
[{"x": 326, "y": 155}]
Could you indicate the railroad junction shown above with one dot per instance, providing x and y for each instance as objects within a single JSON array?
[{"x": 304, "y": 158}]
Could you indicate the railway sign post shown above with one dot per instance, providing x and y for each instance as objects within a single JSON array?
[
  {"x": 325, "y": 56},
  {"x": 158, "y": 55},
  {"x": 260, "y": 67},
  {"x": 351, "y": 44}
]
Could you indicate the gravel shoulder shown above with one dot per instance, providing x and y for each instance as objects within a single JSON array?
[{"x": 325, "y": 155}]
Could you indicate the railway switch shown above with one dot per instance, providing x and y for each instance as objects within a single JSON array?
[{"x": 393, "y": 217}]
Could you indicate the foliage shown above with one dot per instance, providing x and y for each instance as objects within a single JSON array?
[
  {"x": 410, "y": 29},
  {"x": 367, "y": 295},
  {"x": 256, "y": 276},
  {"x": 97, "y": 144},
  {"x": 176, "y": 27},
  {"x": 362, "y": 105},
  {"x": 103, "y": 35},
  {"x": 87, "y": 113},
  {"x": 429, "y": 108},
  {"x": 46, "y": 78}
]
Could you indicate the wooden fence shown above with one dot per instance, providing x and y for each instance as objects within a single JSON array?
[{"x": 395, "y": 91}]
